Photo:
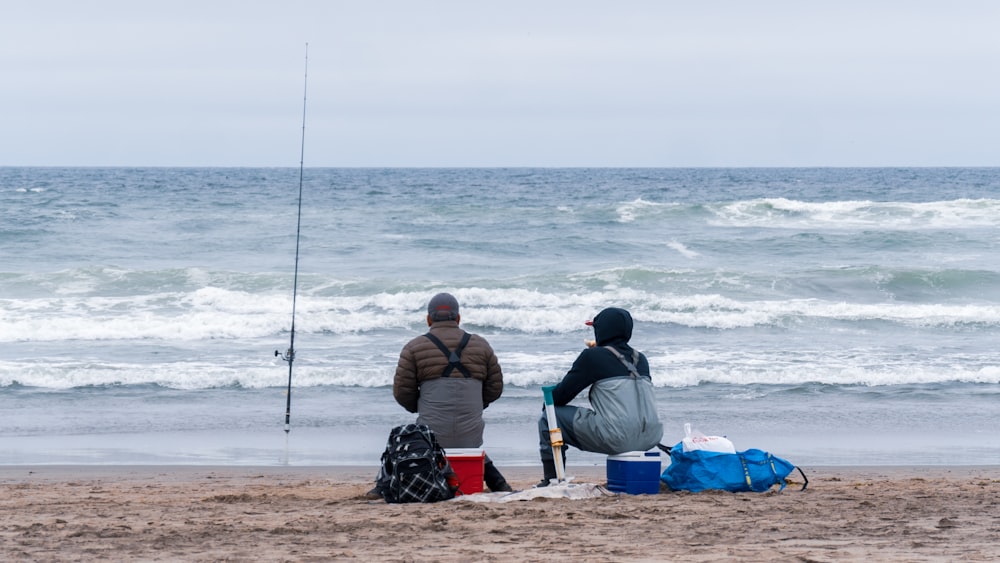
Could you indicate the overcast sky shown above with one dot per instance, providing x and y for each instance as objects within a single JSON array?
[{"x": 507, "y": 83}]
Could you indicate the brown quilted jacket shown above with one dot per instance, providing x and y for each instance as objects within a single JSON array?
[{"x": 421, "y": 361}]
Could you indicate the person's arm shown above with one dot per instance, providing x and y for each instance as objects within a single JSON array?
[
  {"x": 578, "y": 378},
  {"x": 493, "y": 386},
  {"x": 404, "y": 385},
  {"x": 643, "y": 365}
]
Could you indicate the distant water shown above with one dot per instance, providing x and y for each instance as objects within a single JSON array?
[{"x": 832, "y": 316}]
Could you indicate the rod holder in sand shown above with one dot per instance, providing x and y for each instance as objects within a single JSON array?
[{"x": 555, "y": 434}]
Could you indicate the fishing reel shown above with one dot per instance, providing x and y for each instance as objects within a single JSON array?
[{"x": 288, "y": 356}]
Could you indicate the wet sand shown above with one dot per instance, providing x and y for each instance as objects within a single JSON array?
[{"x": 232, "y": 513}]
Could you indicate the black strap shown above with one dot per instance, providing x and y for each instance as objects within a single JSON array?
[
  {"x": 804, "y": 478},
  {"x": 454, "y": 358}
]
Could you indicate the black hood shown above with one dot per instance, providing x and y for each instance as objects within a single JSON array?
[{"x": 612, "y": 326}]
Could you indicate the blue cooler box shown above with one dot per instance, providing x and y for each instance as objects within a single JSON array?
[{"x": 635, "y": 473}]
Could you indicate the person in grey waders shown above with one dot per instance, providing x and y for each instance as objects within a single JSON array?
[
  {"x": 448, "y": 377},
  {"x": 623, "y": 416}
]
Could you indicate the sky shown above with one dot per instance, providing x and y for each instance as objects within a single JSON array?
[{"x": 542, "y": 83}]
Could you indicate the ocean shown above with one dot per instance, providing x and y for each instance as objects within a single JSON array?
[{"x": 831, "y": 316}]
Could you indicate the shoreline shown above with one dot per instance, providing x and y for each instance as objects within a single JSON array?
[
  {"x": 364, "y": 473},
  {"x": 210, "y": 513}
]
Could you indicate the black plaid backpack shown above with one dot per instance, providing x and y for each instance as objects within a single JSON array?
[{"x": 414, "y": 467}]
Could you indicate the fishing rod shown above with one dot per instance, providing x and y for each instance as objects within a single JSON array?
[{"x": 289, "y": 356}]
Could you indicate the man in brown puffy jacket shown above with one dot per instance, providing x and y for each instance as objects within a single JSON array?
[{"x": 448, "y": 376}]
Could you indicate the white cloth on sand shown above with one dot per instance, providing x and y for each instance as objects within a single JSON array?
[{"x": 565, "y": 489}]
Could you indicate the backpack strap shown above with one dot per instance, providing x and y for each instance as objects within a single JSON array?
[
  {"x": 630, "y": 366},
  {"x": 454, "y": 358}
]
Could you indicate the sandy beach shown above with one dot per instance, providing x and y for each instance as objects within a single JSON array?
[{"x": 200, "y": 513}]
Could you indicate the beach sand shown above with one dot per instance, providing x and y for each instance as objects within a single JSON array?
[{"x": 200, "y": 513}]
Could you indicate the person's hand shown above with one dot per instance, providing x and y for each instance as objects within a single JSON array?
[{"x": 590, "y": 343}]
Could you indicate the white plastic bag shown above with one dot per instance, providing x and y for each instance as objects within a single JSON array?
[{"x": 694, "y": 440}]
